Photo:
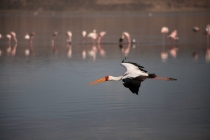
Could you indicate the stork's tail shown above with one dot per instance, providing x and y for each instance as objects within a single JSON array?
[{"x": 151, "y": 75}]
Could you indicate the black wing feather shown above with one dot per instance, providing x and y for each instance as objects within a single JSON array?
[{"x": 132, "y": 84}]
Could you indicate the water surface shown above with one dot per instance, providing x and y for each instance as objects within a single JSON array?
[{"x": 46, "y": 95}]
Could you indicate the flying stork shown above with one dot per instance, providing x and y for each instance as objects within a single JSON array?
[{"x": 133, "y": 77}]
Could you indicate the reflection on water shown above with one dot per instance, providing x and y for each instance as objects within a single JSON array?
[{"x": 45, "y": 74}]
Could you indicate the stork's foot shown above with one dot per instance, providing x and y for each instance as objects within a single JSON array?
[{"x": 171, "y": 79}]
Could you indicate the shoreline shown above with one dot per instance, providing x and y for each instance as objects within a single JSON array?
[
  {"x": 105, "y": 12},
  {"x": 105, "y": 6}
]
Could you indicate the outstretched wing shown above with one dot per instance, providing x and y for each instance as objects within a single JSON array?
[
  {"x": 137, "y": 65},
  {"x": 133, "y": 70},
  {"x": 133, "y": 84}
]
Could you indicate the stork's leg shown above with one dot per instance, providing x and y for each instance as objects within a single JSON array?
[{"x": 163, "y": 78}]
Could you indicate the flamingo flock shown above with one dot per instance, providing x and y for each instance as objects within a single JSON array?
[
  {"x": 173, "y": 38},
  {"x": 125, "y": 42}
]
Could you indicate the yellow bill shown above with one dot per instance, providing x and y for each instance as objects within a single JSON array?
[{"x": 98, "y": 81}]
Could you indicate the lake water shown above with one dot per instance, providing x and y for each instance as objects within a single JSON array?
[{"x": 46, "y": 95}]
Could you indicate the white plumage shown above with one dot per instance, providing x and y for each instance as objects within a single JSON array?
[{"x": 132, "y": 71}]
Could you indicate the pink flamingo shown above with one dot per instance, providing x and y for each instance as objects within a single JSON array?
[
  {"x": 27, "y": 51},
  {"x": 14, "y": 36},
  {"x": 127, "y": 35},
  {"x": 173, "y": 37},
  {"x": 164, "y": 54},
  {"x": 100, "y": 36},
  {"x": 9, "y": 43},
  {"x": 69, "y": 37},
  {"x": 164, "y": 31},
  {"x": 84, "y": 33},
  {"x": 93, "y": 35}
]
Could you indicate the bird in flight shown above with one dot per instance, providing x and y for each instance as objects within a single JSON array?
[{"x": 133, "y": 77}]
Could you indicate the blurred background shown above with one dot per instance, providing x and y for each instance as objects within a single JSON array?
[{"x": 50, "y": 51}]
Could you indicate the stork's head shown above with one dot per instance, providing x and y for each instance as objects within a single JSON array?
[{"x": 106, "y": 78}]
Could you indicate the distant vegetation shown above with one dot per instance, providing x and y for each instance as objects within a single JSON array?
[{"x": 104, "y": 5}]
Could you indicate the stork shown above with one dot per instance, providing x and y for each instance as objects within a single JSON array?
[{"x": 133, "y": 77}]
